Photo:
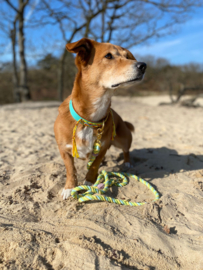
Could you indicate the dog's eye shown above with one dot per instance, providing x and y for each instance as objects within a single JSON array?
[
  {"x": 127, "y": 57},
  {"x": 109, "y": 56}
]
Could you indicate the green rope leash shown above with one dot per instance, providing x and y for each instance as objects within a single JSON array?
[{"x": 96, "y": 188}]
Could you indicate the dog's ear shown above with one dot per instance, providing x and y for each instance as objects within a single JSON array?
[
  {"x": 83, "y": 44},
  {"x": 83, "y": 49}
]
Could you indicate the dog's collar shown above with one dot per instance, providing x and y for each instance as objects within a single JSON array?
[
  {"x": 77, "y": 117},
  {"x": 73, "y": 112}
]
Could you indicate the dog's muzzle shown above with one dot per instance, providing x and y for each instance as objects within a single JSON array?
[{"x": 141, "y": 67}]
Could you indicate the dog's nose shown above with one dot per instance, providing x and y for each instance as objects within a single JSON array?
[{"x": 142, "y": 66}]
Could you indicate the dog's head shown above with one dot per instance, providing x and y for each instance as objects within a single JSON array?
[{"x": 106, "y": 66}]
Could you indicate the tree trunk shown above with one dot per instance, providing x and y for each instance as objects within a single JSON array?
[
  {"x": 16, "y": 93},
  {"x": 24, "y": 90},
  {"x": 61, "y": 76}
]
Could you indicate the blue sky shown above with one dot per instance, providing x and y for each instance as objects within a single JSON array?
[{"x": 182, "y": 47}]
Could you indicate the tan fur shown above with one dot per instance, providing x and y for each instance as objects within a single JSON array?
[{"x": 93, "y": 87}]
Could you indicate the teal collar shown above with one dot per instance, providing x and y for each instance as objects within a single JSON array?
[
  {"x": 73, "y": 112},
  {"x": 78, "y": 118}
]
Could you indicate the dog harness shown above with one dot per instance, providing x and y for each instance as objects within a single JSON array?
[
  {"x": 100, "y": 130},
  {"x": 103, "y": 182}
]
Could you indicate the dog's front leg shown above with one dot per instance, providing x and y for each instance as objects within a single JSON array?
[
  {"x": 71, "y": 176},
  {"x": 93, "y": 170}
]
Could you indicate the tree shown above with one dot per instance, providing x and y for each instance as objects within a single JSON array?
[
  {"x": 48, "y": 62},
  {"x": 21, "y": 89},
  {"x": 10, "y": 33},
  {"x": 61, "y": 17},
  {"x": 16, "y": 88}
]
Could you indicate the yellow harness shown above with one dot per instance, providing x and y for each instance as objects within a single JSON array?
[{"x": 98, "y": 125}]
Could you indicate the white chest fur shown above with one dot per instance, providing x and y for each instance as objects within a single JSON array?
[{"x": 85, "y": 142}]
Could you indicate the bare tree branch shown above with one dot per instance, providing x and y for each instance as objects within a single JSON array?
[{"x": 12, "y": 6}]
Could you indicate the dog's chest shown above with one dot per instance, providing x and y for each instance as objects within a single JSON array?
[{"x": 85, "y": 141}]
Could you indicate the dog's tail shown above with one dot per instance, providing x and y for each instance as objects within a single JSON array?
[{"x": 129, "y": 126}]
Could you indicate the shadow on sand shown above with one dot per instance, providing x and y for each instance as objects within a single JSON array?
[{"x": 163, "y": 161}]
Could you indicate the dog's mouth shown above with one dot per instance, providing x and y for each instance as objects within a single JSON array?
[{"x": 133, "y": 80}]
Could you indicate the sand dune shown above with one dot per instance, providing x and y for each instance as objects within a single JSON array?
[{"x": 40, "y": 231}]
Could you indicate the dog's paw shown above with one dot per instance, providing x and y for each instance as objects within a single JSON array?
[
  {"x": 66, "y": 193},
  {"x": 128, "y": 165},
  {"x": 87, "y": 183}
]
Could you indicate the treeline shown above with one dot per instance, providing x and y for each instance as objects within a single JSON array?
[
  {"x": 161, "y": 78},
  {"x": 42, "y": 79},
  {"x": 31, "y": 29}
]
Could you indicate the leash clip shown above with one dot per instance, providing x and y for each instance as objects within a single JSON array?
[{"x": 100, "y": 131}]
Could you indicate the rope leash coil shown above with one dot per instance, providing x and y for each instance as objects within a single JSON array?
[{"x": 104, "y": 176}]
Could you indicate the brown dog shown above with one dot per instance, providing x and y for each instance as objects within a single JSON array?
[{"x": 102, "y": 68}]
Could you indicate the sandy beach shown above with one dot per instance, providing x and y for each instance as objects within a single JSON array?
[{"x": 38, "y": 230}]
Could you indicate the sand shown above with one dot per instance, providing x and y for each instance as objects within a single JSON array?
[{"x": 38, "y": 230}]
